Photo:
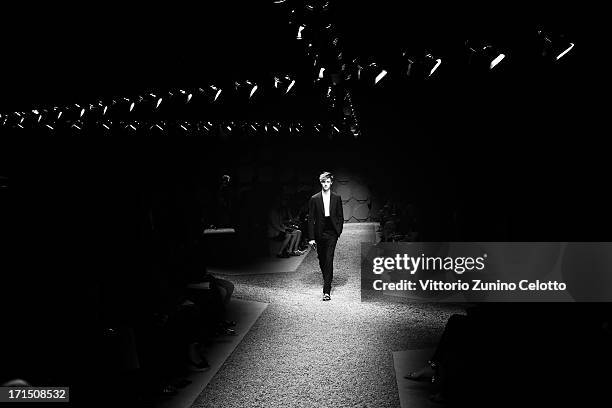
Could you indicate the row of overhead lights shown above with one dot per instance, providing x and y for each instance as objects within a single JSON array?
[
  {"x": 151, "y": 102},
  {"x": 555, "y": 46},
  {"x": 109, "y": 126},
  {"x": 315, "y": 28},
  {"x": 480, "y": 54},
  {"x": 314, "y": 25}
]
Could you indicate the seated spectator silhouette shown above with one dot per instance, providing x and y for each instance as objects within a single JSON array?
[
  {"x": 220, "y": 208},
  {"x": 282, "y": 227},
  {"x": 539, "y": 353}
]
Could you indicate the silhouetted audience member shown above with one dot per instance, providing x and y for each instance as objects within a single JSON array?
[
  {"x": 222, "y": 205},
  {"x": 508, "y": 354},
  {"x": 282, "y": 227}
]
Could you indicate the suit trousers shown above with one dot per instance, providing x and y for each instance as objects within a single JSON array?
[{"x": 326, "y": 245}]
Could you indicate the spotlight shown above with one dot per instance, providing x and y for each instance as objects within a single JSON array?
[
  {"x": 130, "y": 126},
  {"x": 216, "y": 91},
  {"x": 432, "y": 63},
  {"x": 568, "y": 48},
  {"x": 188, "y": 95},
  {"x": 253, "y": 88},
  {"x": 245, "y": 86},
  {"x": 371, "y": 72},
  {"x": 131, "y": 104},
  {"x": 157, "y": 127},
  {"x": 496, "y": 60},
  {"x": 492, "y": 55},
  {"x": 556, "y": 45},
  {"x": 380, "y": 76},
  {"x": 291, "y": 84},
  {"x": 286, "y": 81}
]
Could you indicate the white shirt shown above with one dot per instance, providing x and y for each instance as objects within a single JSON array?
[{"x": 326, "y": 197}]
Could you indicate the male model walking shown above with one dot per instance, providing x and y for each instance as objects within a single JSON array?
[{"x": 325, "y": 222}]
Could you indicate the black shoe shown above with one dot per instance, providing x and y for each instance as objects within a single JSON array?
[{"x": 326, "y": 297}]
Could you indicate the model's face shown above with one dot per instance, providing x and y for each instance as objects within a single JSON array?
[{"x": 326, "y": 184}]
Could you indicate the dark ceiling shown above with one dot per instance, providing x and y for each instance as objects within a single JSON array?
[{"x": 72, "y": 54}]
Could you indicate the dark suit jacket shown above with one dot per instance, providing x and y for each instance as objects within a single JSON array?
[{"x": 316, "y": 214}]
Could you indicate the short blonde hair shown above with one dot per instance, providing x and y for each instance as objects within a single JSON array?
[{"x": 326, "y": 175}]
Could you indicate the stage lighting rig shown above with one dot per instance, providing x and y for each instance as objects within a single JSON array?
[
  {"x": 380, "y": 76},
  {"x": 555, "y": 46},
  {"x": 106, "y": 125},
  {"x": 371, "y": 73},
  {"x": 59, "y": 112},
  {"x": 485, "y": 55},
  {"x": 214, "y": 93},
  {"x": 77, "y": 126},
  {"x": 158, "y": 127},
  {"x": 207, "y": 126},
  {"x": 245, "y": 89},
  {"x": 158, "y": 102},
  {"x": 285, "y": 84},
  {"x": 432, "y": 64}
]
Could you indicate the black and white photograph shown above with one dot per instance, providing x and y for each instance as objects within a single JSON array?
[{"x": 305, "y": 203}]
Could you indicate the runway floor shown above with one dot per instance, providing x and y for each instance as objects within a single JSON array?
[{"x": 303, "y": 352}]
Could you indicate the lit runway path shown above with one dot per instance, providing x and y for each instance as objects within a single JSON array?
[{"x": 303, "y": 352}]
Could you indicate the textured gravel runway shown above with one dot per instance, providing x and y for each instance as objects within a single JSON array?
[{"x": 303, "y": 352}]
